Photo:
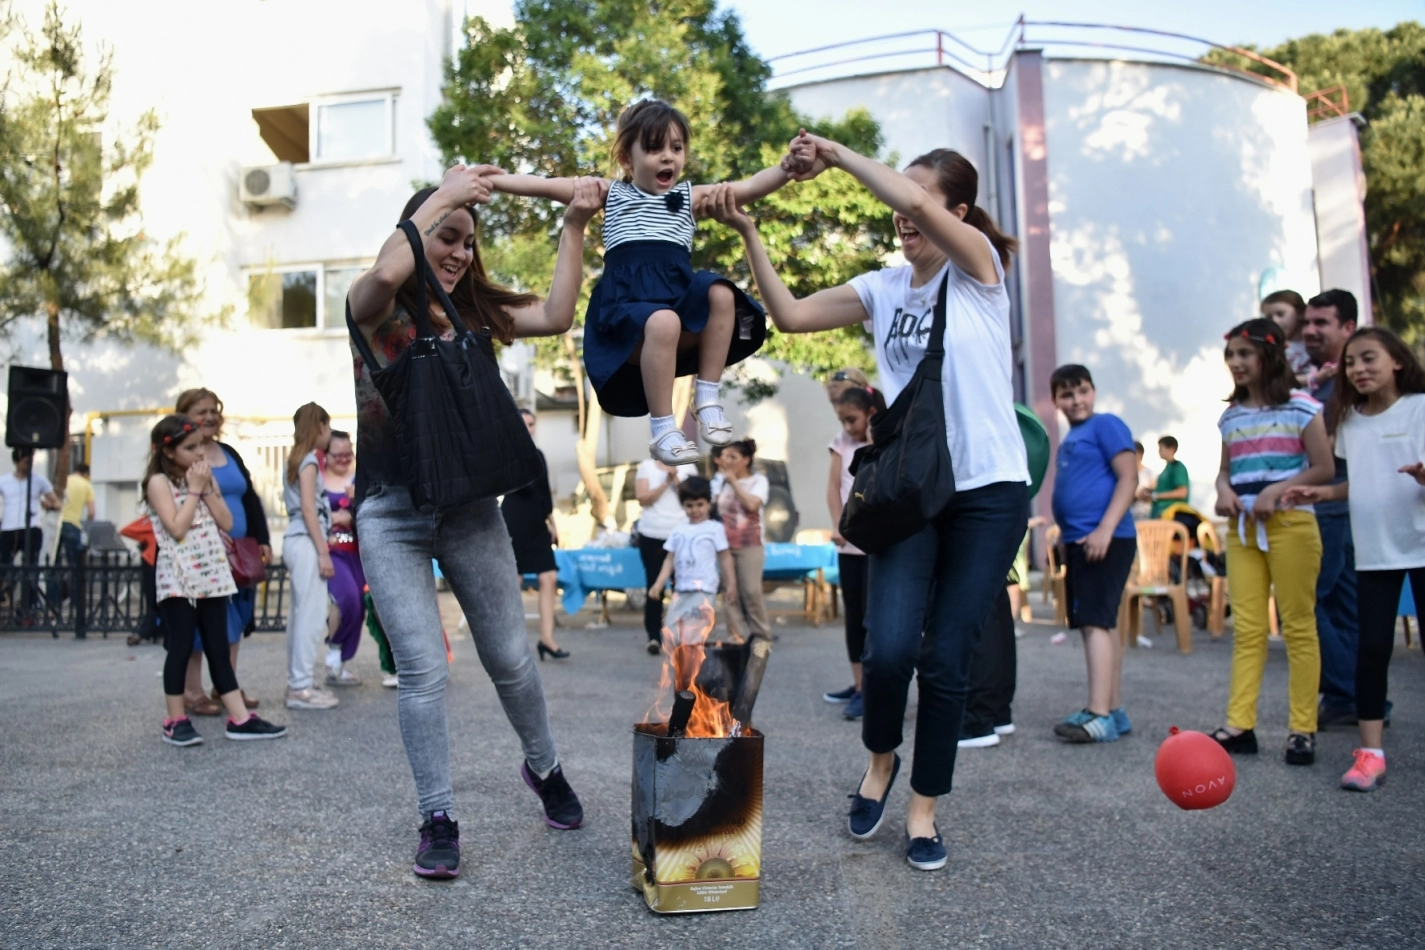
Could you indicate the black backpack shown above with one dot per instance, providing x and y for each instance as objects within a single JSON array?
[
  {"x": 904, "y": 477},
  {"x": 460, "y": 433}
]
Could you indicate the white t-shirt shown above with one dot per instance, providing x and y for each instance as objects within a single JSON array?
[
  {"x": 13, "y": 490},
  {"x": 844, "y": 448},
  {"x": 695, "y": 548},
  {"x": 980, "y": 424},
  {"x": 1387, "y": 506},
  {"x": 660, "y": 518}
]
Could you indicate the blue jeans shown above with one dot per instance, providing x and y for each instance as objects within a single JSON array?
[
  {"x": 71, "y": 542},
  {"x": 1337, "y": 626},
  {"x": 473, "y": 548},
  {"x": 941, "y": 583}
]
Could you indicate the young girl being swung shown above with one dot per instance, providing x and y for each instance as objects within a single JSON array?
[
  {"x": 1379, "y": 406},
  {"x": 193, "y": 579},
  {"x": 651, "y": 317}
]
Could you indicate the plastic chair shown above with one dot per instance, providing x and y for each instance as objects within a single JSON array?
[
  {"x": 1054, "y": 574},
  {"x": 1156, "y": 542},
  {"x": 1208, "y": 540}
]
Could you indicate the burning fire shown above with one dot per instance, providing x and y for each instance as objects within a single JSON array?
[{"x": 684, "y": 650}]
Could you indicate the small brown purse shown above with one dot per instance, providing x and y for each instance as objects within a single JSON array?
[{"x": 245, "y": 561}]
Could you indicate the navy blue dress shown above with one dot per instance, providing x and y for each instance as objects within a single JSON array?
[{"x": 648, "y": 251}]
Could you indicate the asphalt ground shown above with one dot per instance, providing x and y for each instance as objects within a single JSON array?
[{"x": 112, "y": 839}]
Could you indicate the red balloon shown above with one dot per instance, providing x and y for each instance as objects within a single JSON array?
[{"x": 1193, "y": 770}]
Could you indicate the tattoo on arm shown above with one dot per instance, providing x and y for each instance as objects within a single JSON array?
[{"x": 435, "y": 224}]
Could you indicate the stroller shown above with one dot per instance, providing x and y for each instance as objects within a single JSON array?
[{"x": 1202, "y": 566}]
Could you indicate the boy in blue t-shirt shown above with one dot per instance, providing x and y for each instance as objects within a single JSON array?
[{"x": 1096, "y": 476}]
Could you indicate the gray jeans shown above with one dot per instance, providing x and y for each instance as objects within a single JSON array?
[{"x": 473, "y": 548}]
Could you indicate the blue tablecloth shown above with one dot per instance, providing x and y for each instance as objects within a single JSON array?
[
  {"x": 589, "y": 569},
  {"x": 1407, "y": 602},
  {"x": 794, "y": 561}
]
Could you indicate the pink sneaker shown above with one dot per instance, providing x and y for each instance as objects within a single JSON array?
[{"x": 1367, "y": 774}]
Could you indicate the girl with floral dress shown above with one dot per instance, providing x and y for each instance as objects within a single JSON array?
[{"x": 192, "y": 576}]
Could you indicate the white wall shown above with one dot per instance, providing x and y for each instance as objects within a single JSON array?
[
  {"x": 918, "y": 110},
  {"x": 1339, "y": 196},
  {"x": 1171, "y": 190}
]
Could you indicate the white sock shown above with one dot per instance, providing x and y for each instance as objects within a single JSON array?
[
  {"x": 662, "y": 424},
  {"x": 334, "y": 658},
  {"x": 1379, "y": 752},
  {"x": 707, "y": 393},
  {"x": 546, "y": 773}
]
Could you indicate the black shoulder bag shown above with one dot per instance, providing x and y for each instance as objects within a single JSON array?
[
  {"x": 460, "y": 434},
  {"x": 904, "y": 478}
]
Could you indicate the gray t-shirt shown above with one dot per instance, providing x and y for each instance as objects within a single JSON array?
[{"x": 292, "y": 496}]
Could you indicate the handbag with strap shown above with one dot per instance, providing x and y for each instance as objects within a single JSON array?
[
  {"x": 903, "y": 479},
  {"x": 245, "y": 561},
  {"x": 460, "y": 434}
]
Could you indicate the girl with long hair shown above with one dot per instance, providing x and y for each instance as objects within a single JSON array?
[
  {"x": 1379, "y": 404},
  {"x": 192, "y": 576},
  {"x": 469, "y": 541},
  {"x": 347, "y": 585},
  {"x": 1273, "y": 439},
  {"x": 928, "y": 597},
  {"x": 308, "y": 559},
  {"x": 855, "y": 405}
]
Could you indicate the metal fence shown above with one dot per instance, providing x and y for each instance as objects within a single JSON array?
[{"x": 106, "y": 596}]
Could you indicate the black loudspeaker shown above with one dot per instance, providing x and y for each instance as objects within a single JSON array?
[{"x": 39, "y": 400}]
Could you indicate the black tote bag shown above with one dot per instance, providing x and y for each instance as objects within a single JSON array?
[
  {"x": 904, "y": 477},
  {"x": 460, "y": 434}
]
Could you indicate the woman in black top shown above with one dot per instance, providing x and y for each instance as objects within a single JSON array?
[{"x": 528, "y": 518}]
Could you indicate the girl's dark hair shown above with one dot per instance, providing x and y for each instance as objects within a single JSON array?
[
  {"x": 480, "y": 301},
  {"x": 960, "y": 183},
  {"x": 1410, "y": 378},
  {"x": 170, "y": 431},
  {"x": 341, "y": 434},
  {"x": 1267, "y": 339},
  {"x": 1289, "y": 297},
  {"x": 747, "y": 447},
  {"x": 647, "y": 123},
  {"x": 868, "y": 400}
]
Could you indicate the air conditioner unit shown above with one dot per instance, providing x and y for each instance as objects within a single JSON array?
[{"x": 260, "y": 185}]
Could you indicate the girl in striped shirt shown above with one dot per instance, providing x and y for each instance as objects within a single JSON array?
[
  {"x": 651, "y": 317},
  {"x": 1273, "y": 438}
]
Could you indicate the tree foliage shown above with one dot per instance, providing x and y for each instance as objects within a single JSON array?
[
  {"x": 77, "y": 255},
  {"x": 543, "y": 98},
  {"x": 1383, "y": 72}
]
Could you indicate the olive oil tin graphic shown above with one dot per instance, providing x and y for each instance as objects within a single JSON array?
[{"x": 697, "y": 820}]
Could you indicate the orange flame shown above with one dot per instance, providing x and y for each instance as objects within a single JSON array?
[{"x": 683, "y": 653}]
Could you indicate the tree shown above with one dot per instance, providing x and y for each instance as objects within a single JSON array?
[
  {"x": 1383, "y": 72},
  {"x": 77, "y": 257},
  {"x": 543, "y": 98}
]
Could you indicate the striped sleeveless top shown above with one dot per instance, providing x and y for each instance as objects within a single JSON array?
[
  {"x": 1265, "y": 445},
  {"x": 633, "y": 215}
]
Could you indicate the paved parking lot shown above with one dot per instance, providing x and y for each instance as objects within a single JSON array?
[{"x": 112, "y": 839}]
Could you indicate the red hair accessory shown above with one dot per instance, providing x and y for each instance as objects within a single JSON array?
[
  {"x": 1246, "y": 335},
  {"x": 187, "y": 428}
]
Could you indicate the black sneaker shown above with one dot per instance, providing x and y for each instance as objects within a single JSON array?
[
  {"x": 181, "y": 732},
  {"x": 1300, "y": 749},
  {"x": 438, "y": 854},
  {"x": 255, "y": 728},
  {"x": 561, "y": 806},
  {"x": 1244, "y": 743},
  {"x": 1330, "y": 715}
]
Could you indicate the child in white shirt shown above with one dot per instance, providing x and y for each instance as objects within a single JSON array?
[{"x": 698, "y": 559}]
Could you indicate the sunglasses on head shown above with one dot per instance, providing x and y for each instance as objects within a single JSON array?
[{"x": 840, "y": 376}]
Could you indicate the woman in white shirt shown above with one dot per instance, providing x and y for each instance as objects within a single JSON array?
[
  {"x": 944, "y": 580},
  {"x": 655, "y": 485}
]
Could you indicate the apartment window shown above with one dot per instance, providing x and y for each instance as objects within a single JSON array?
[
  {"x": 303, "y": 297},
  {"x": 332, "y": 129}
]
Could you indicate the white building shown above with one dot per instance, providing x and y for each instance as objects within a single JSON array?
[{"x": 1154, "y": 202}]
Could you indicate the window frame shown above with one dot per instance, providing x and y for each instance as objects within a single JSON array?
[
  {"x": 314, "y": 106},
  {"x": 321, "y": 268}
]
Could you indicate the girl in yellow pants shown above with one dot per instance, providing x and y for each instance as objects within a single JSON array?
[{"x": 1272, "y": 439}]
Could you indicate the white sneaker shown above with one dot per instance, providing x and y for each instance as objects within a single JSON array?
[
  {"x": 391, "y": 682},
  {"x": 341, "y": 676},
  {"x": 980, "y": 742},
  {"x": 1059, "y": 638},
  {"x": 1005, "y": 730},
  {"x": 310, "y": 698}
]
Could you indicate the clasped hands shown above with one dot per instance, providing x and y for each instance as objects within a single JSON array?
[{"x": 807, "y": 156}]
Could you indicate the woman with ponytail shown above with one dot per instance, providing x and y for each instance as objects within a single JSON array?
[{"x": 942, "y": 581}]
